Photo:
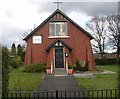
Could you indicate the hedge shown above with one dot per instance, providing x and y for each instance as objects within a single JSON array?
[
  {"x": 110, "y": 61},
  {"x": 32, "y": 68}
]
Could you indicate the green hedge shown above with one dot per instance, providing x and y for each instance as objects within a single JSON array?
[
  {"x": 32, "y": 68},
  {"x": 5, "y": 69},
  {"x": 14, "y": 63},
  {"x": 110, "y": 61}
]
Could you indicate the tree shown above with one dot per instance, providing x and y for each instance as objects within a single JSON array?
[
  {"x": 24, "y": 34},
  {"x": 114, "y": 30},
  {"x": 5, "y": 69},
  {"x": 97, "y": 27},
  {"x": 13, "y": 50},
  {"x": 20, "y": 52}
]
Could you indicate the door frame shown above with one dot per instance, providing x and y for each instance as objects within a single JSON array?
[{"x": 63, "y": 57}]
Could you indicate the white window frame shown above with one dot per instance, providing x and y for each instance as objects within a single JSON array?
[
  {"x": 63, "y": 36},
  {"x": 37, "y": 39}
]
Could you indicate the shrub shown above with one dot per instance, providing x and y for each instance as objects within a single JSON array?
[
  {"x": 14, "y": 63},
  {"x": 80, "y": 65},
  {"x": 48, "y": 67},
  {"x": 28, "y": 68},
  {"x": 70, "y": 66},
  {"x": 86, "y": 67},
  {"x": 19, "y": 61},
  {"x": 32, "y": 68},
  {"x": 78, "y": 62},
  {"x": 77, "y": 66},
  {"x": 5, "y": 69}
]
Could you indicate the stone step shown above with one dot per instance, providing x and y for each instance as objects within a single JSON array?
[{"x": 59, "y": 71}]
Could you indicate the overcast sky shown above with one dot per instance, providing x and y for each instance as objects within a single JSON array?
[{"x": 18, "y": 16}]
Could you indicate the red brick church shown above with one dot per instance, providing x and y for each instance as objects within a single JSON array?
[{"x": 58, "y": 40}]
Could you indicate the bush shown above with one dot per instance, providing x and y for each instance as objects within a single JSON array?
[
  {"x": 77, "y": 66},
  {"x": 19, "y": 61},
  {"x": 32, "y": 68},
  {"x": 5, "y": 69},
  {"x": 80, "y": 65},
  {"x": 86, "y": 67},
  {"x": 110, "y": 61},
  {"x": 77, "y": 62},
  {"x": 14, "y": 63},
  {"x": 70, "y": 66}
]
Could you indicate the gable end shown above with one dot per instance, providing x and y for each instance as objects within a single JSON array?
[{"x": 52, "y": 20}]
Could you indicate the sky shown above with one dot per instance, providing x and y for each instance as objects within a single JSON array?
[{"x": 19, "y": 16}]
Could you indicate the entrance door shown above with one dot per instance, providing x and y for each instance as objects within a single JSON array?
[{"x": 59, "y": 59}]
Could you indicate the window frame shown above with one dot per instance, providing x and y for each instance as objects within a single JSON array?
[{"x": 55, "y": 33}]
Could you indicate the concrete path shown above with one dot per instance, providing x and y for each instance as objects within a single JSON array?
[
  {"x": 59, "y": 71},
  {"x": 82, "y": 75}
]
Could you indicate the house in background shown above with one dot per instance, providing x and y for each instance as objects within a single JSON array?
[{"x": 59, "y": 41}]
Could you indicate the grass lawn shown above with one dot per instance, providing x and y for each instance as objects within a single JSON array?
[
  {"x": 19, "y": 81},
  {"x": 102, "y": 81},
  {"x": 113, "y": 68}
]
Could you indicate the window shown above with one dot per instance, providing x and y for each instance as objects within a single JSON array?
[
  {"x": 37, "y": 39},
  {"x": 58, "y": 29}
]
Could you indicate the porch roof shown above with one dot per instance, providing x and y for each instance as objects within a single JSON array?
[{"x": 58, "y": 40}]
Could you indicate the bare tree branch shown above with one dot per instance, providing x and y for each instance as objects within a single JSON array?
[
  {"x": 113, "y": 27},
  {"x": 97, "y": 27}
]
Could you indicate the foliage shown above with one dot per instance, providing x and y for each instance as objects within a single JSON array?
[
  {"x": 14, "y": 63},
  {"x": 13, "y": 50},
  {"x": 32, "y": 68},
  {"x": 18, "y": 57},
  {"x": 19, "y": 81},
  {"x": 77, "y": 66},
  {"x": 19, "y": 60},
  {"x": 5, "y": 69},
  {"x": 86, "y": 67},
  {"x": 78, "y": 62},
  {"x": 70, "y": 66},
  {"x": 108, "y": 61},
  {"x": 20, "y": 52},
  {"x": 48, "y": 67},
  {"x": 80, "y": 65}
]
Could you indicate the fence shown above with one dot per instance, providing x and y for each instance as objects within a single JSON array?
[{"x": 90, "y": 94}]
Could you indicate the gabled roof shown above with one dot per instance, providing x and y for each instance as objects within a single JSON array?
[
  {"x": 55, "y": 12},
  {"x": 53, "y": 44}
]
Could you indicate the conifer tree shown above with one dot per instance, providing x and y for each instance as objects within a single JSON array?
[{"x": 13, "y": 50}]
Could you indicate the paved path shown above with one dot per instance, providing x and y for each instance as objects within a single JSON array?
[
  {"x": 59, "y": 71},
  {"x": 60, "y": 83},
  {"x": 54, "y": 86}
]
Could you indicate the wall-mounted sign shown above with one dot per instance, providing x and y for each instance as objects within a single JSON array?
[{"x": 37, "y": 39}]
